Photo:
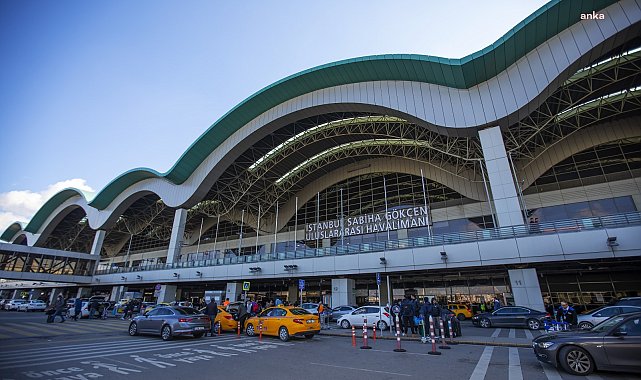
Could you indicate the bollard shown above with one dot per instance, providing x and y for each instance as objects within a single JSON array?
[
  {"x": 353, "y": 336},
  {"x": 374, "y": 331},
  {"x": 218, "y": 329},
  {"x": 260, "y": 331},
  {"x": 365, "y": 346},
  {"x": 398, "y": 339},
  {"x": 449, "y": 326},
  {"x": 239, "y": 329},
  {"x": 433, "y": 352},
  {"x": 443, "y": 345}
]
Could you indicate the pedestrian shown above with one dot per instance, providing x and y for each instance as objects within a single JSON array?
[
  {"x": 127, "y": 311},
  {"x": 407, "y": 315},
  {"x": 496, "y": 304},
  {"x": 212, "y": 311},
  {"x": 435, "y": 311},
  {"x": 566, "y": 313},
  {"x": 242, "y": 315},
  {"x": 226, "y": 303},
  {"x": 278, "y": 302},
  {"x": 77, "y": 308},
  {"x": 60, "y": 308},
  {"x": 482, "y": 306},
  {"x": 94, "y": 309}
]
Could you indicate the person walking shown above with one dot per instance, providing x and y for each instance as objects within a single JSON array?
[
  {"x": 77, "y": 309},
  {"x": 278, "y": 302},
  {"x": 212, "y": 311},
  {"x": 407, "y": 315},
  {"x": 60, "y": 308},
  {"x": 226, "y": 303},
  {"x": 496, "y": 304},
  {"x": 242, "y": 315},
  {"x": 434, "y": 310}
]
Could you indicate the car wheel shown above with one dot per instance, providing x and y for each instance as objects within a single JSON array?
[
  {"x": 533, "y": 324},
  {"x": 283, "y": 334},
  {"x": 576, "y": 361},
  {"x": 345, "y": 324},
  {"x": 382, "y": 325},
  {"x": 461, "y": 317},
  {"x": 585, "y": 325},
  {"x": 250, "y": 330},
  {"x": 309, "y": 336},
  {"x": 485, "y": 323},
  {"x": 165, "y": 333},
  {"x": 133, "y": 329},
  {"x": 199, "y": 335}
]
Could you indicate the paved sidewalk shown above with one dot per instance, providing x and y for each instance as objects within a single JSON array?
[{"x": 464, "y": 339}]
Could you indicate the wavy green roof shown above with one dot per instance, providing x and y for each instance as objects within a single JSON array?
[{"x": 462, "y": 73}]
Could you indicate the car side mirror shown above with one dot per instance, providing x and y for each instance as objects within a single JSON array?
[{"x": 620, "y": 333}]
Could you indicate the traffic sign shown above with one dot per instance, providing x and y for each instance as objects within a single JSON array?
[
  {"x": 301, "y": 284},
  {"x": 246, "y": 286},
  {"x": 378, "y": 278},
  {"x": 158, "y": 287}
]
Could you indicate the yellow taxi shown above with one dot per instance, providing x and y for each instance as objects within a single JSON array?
[
  {"x": 284, "y": 322},
  {"x": 151, "y": 307},
  {"x": 225, "y": 321},
  {"x": 462, "y": 311}
]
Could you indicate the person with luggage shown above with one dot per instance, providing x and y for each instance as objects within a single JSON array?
[{"x": 60, "y": 308}]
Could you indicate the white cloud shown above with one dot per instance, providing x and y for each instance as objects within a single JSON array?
[{"x": 21, "y": 205}]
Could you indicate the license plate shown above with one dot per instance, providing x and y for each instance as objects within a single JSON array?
[
  {"x": 198, "y": 328},
  {"x": 310, "y": 321}
]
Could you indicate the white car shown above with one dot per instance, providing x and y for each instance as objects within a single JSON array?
[
  {"x": 373, "y": 314},
  {"x": 594, "y": 317},
  {"x": 33, "y": 305},
  {"x": 13, "y": 304}
]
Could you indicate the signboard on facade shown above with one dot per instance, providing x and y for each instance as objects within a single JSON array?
[
  {"x": 402, "y": 218},
  {"x": 246, "y": 286}
]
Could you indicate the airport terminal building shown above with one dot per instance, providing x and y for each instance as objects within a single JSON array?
[{"x": 514, "y": 172}]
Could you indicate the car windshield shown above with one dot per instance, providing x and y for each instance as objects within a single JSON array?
[
  {"x": 186, "y": 311},
  {"x": 607, "y": 324},
  {"x": 298, "y": 311}
]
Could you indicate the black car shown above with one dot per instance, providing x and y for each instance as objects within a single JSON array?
[
  {"x": 511, "y": 316},
  {"x": 612, "y": 345},
  {"x": 629, "y": 301}
]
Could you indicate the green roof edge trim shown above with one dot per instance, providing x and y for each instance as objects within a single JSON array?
[
  {"x": 460, "y": 73},
  {"x": 14, "y": 228}
]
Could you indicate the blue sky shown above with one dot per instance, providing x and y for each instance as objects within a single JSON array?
[{"x": 91, "y": 89}]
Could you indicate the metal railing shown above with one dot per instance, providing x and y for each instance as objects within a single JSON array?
[{"x": 556, "y": 227}]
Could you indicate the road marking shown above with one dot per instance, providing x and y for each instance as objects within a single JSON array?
[
  {"x": 484, "y": 361},
  {"x": 129, "y": 350},
  {"x": 512, "y": 333},
  {"x": 496, "y": 333},
  {"x": 361, "y": 369},
  {"x": 17, "y": 331},
  {"x": 550, "y": 372},
  {"x": 528, "y": 334},
  {"x": 514, "y": 366}
]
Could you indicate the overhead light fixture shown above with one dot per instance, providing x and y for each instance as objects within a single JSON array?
[
  {"x": 612, "y": 241},
  {"x": 176, "y": 275},
  {"x": 255, "y": 269},
  {"x": 443, "y": 255},
  {"x": 383, "y": 260},
  {"x": 199, "y": 273},
  {"x": 291, "y": 267},
  {"x": 139, "y": 277}
]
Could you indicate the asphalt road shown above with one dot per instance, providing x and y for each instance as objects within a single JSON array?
[{"x": 91, "y": 349}]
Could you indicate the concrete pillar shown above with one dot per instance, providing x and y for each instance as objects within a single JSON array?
[
  {"x": 526, "y": 289},
  {"x": 384, "y": 296},
  {"x": 84, "y": 293},
  {"x": 167, "y": 293},
  {"x": 343, "y": 292},
  {"x": 33, "y": 294},
  {"x": 234, "y": 289},
  {"x": 177, "y": 235},
  {"x": 15, "y": 294},
  {"x": 117, "y": 292},
  {"x": 96, "y": 247},
  {"x": 54, "y": 294},
  {"x": 504, "y": 195},
  {"x": 292, "y": 293}
]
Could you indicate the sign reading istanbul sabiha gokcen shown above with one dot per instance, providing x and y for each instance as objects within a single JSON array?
[{"x": 391, "y": 220}]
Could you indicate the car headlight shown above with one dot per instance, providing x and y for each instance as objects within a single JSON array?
[{"x": 545, "y": 344}]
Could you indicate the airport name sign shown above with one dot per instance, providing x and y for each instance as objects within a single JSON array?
[{"x": 397, "y": 219}]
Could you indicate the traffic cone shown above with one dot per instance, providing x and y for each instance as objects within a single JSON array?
[
  {"x": 443, "y": 345},
  {"x": 398, "y": 339}
]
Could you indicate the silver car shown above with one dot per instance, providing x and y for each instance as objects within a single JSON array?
[
  {"x": 594, "y": 317},
  {"x": 339, "y": 311},
  {"x": 170, "y": 321}
]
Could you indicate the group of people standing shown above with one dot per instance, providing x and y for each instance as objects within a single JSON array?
[{"x": 406, "y": 312}]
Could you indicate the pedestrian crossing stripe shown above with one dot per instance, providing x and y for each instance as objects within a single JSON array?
[{"x": 33, "y": 329}]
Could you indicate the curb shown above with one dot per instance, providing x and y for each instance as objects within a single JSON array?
[{"x": 472, "y": 342}]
